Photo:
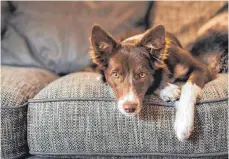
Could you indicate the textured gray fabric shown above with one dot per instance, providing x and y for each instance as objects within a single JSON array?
[
  {"x": 17, "y": 86},
  {"x": 71, "y": 87},
  {"x": 13, "y": 132},
  {"x": 54, "y": 35},
  {"x": 127, "y": 157},
  {"x": 77, "y": 115}
]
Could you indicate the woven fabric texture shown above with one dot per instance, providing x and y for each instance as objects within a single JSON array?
[
  {"x": 119, "y": 157},
  {"x": 89, "y": 86},
  {"x": 20, "y": 84},
  {"x": 77, "y": 115},
  {"x": 17, "y": 86}
]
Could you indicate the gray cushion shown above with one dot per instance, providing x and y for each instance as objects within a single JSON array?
[
  {"x": 54, "y": 35},
  {"x": 123, "y": 157},
  {"x": 17, "y": 86},
  {"x": 77, "y": 115},
  {"x": 5, "y": 13},
  {"x": 184, "y": 18}
]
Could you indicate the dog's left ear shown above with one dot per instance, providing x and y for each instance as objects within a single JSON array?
[
  {"x": 154, "y": 38},
  {"x": 103, "y": 45}
]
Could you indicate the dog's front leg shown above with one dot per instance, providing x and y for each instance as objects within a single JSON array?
[
  {"x": 170, "y": 92},
  {"x": 185, "y": 108},
  {"x": 167, "y": 91}
]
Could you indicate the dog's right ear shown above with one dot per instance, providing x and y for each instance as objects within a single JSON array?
[
  {"x": 103, "y": 45},
  {"x": 154, "y": 38}
]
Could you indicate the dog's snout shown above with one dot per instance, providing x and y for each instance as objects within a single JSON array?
[
  {"x": 130, "y": 107},
  {"x": 130, "y": 104}
]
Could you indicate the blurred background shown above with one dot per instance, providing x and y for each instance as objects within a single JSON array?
[{"x": 54, "y": 35}]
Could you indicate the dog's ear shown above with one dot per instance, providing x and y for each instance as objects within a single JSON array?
[
  {"x": 154, "y": 38},
  {"x": 103, "y": 45}
]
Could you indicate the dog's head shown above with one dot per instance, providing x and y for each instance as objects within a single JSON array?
[{"x": 129, "y": 66}]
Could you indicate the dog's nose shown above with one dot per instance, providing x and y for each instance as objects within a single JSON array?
[{"x": 130, "y": 108}]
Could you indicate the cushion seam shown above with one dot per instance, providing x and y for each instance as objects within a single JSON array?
[
  {"x": 112, "y": 99},
  {"x": 134, "y": 154}
]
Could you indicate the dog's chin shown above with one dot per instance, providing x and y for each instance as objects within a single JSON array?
[{"x": 129, "y": 114}]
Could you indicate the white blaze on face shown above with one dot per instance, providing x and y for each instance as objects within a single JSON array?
[
  {"x": 129, "y": 98},
  {"x": 135, "y": 37},
  {"x": 185, "y": 110}
]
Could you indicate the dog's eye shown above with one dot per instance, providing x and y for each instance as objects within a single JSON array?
[
  {"x": 115, "y": 74},
  {"x": 142, "y": 74}
]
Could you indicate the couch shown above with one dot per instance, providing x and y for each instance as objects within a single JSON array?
[{"x": 49, "y": 109}]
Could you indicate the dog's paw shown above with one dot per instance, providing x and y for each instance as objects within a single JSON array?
[
  {"x": 170, "y": 93},
  {"x": 184, "y": 122},
  {"x": 99, "y": 78}
]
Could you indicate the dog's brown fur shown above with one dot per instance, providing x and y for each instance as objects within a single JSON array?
[
  {"x": 144, "y": 63},
  {"x": 165, "y": 53}
]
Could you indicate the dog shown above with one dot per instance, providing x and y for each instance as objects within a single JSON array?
[
  {"x": 148, "y": 62},
  {"x": 211, "y": 45}
]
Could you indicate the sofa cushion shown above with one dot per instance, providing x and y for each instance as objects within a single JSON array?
[
  {"x": 77, "y": 115},
  {"x": 54, "y": 35},
  {"x": 184, "y": 18},
  {"x": 6, "y": 9},
  {"x": 17, "y": 86}
]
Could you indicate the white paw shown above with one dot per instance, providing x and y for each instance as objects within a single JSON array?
[
  {"x": 184, "y": 121},
  {"x": 99, "y": 78},
  {"x": 170, "y": 93}
]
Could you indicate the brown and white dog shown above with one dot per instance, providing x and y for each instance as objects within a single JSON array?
[{"x": 143, "y": 63}]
